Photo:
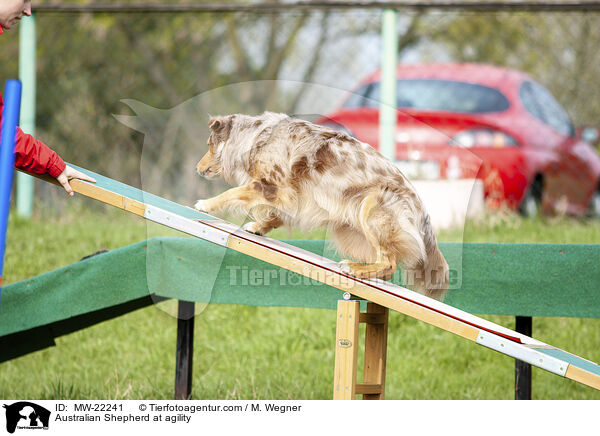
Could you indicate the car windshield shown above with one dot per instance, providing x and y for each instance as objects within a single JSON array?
[{"x": 435, "y": 95}]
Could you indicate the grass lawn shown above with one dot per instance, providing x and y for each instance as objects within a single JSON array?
[{"x": 266, "y": 353}]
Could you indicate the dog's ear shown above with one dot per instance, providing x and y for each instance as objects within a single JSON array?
[
  {"x": 220, "y": 128},
  {"x": 215, "y": 124}
]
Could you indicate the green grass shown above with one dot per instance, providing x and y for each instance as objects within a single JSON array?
[{"x": 267, "y": 353}]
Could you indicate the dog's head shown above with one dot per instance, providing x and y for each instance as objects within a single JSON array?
[{"x": 210, "y": 166}]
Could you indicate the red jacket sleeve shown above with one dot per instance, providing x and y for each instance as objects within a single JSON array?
[{"x": 35, "y": 156}]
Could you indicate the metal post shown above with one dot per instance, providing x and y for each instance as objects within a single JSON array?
[
  {"x": 524, "y": 326},
  {"x": 10, "y": 119},
  {"x": 185, "y": 350},
  {"x": 27, "y": 49},
  {"x": 387, "y": 104}
]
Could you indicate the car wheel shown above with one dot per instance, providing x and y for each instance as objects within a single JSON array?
[
  {"x": 530, "y": 207},
  {"x": 531, "y": 204},
  {"x": 594, "y": 207}
]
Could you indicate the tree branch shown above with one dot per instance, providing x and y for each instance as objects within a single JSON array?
[
  {"x": 275, "y": 59},
  {"x": 411, "y": 36}
]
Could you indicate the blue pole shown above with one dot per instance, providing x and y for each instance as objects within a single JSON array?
[{"x": 10, "y": 119}]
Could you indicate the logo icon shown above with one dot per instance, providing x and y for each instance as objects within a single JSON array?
[
  {"x": 344, "y": 343},
  {"x": 26, "y": 415}
]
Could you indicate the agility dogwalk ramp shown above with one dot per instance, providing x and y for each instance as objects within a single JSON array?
[{"x": 382, "y": 293}]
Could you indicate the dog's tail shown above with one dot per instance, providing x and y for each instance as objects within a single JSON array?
[{"x": 433, "y": 275}]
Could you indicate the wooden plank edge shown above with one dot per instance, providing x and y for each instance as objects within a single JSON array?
[
  {"x": 109, "y": 197},
  {"x": 97, "y": 193},
  {"x": 583, "y": 376}
]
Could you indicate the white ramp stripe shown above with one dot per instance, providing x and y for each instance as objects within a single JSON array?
[
  {"x": 186, "y": 225},
  {"x": 452, "y": 311},
  {"x": 522, "y": 352}
]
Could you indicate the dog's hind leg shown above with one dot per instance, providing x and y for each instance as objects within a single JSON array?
[
  {"x": 384, "y": 268},
  {"x": 390, "y": 241},
  {"x": 352, "y": 242},
  {"x": 384, "y": 265}
]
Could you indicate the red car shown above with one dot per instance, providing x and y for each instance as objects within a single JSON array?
[{"x": 493, "y": 123}]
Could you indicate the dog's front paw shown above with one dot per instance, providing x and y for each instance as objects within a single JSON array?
[
  {"x": 252, "y": 227},
  {"x": 345, "y": 266},
  {"x": 202, "y": 206}
]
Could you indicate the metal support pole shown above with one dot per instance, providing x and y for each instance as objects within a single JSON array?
[
  {"x": 185, "y": 350},
  {"x": 524, "y": 325},
  {"x": 387, "y": 104},
  {"x": 27, "y": 49},
  {"x": 10, "y": 119}
]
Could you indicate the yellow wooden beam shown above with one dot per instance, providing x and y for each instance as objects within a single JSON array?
[
  {"x": 583, "y": 376},
  {"x": 96, "y": 192},
  {"x": 346, "y": 350}
]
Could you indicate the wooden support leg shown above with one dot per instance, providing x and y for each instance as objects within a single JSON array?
[
  {"x": 345, "y": 386},
  {"x": 185, "y": 351},
  {"x": 346, "y": 350},
  {"x": 524, "y": 325},
  {"x": 375, "y": 349}
]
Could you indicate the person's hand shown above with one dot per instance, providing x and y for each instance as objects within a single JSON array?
[{"x": 71, "y": 173}]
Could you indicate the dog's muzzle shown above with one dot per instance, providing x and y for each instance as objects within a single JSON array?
[{"x": 206, "y": 173}]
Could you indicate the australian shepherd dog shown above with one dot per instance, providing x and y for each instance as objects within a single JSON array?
[{"x": 290, "y": 172}]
